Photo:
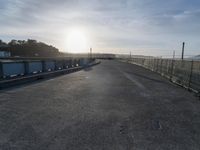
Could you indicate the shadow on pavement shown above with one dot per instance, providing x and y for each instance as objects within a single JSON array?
[
  {"x": 148, "y": 78},
  {"x": 88, "y": 69}
]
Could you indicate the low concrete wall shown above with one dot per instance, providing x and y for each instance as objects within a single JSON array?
[
  {"x": 18, "y": 68},
  {"x": 49, "y": 66},
  {"x": 11, "y": 69}
]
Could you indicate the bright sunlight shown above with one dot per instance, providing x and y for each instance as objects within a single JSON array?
[{"x": 77, "y": 41}]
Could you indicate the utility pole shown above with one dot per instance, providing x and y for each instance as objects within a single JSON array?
[{"x": 183, "y": 49}]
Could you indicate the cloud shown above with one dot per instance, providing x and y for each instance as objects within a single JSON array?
[{"x": 120, "y": 23}]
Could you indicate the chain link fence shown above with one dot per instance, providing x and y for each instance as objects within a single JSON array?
[{"x": 183, "y": 72}]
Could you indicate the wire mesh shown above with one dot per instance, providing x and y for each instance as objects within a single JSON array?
[{"x": 183, "y": 72}]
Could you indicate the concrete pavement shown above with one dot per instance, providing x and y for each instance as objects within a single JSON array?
[{"x": 112, "y": 106}]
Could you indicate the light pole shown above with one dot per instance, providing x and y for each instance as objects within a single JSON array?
[{"x": 183, "y": 49}]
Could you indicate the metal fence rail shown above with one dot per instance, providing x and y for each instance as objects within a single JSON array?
[{"x": 182, "y": 72}]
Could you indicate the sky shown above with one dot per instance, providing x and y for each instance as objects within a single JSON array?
[{"x": 144, "y": 27}]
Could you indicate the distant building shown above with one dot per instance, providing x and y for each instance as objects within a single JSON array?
[{"x": 5, "y": 54}]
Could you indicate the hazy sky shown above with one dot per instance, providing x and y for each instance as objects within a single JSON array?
[{"x": 155, "y": 27}]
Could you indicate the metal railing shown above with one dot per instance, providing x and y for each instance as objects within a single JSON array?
[{"x": 183, "y": 72}]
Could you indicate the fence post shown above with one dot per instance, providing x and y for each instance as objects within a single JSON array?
[
  {"x": 191, "y": 72},
  {"x": 157, "y": 60},
  {"x": 172, "y": 69},
  {"x": 161, "y": 66},
  {"x": 154, "y": 64},
  {"x": 149, "y": 63}
]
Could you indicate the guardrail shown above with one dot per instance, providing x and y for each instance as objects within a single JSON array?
[
  {"x": 10, "y": 69},
  {"x": 183, "y": 72}
]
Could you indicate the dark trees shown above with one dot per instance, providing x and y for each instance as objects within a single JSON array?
[{"x": 29, "y": 48}]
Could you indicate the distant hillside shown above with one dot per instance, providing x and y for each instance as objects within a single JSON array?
[{"x": 29, "y": 48}]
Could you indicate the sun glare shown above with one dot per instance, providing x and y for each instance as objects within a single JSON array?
[{"x": 77, "y": 41}]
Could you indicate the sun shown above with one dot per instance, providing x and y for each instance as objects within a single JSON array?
[{"x": 77, "y": 41}]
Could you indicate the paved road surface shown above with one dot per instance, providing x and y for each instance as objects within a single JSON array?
[{"x": 112, "y": 106}]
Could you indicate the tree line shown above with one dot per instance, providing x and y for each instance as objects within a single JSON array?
[{"x": 29, "y": 48}]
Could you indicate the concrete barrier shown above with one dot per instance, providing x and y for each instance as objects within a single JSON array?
[
  {"x": 12, "y": 69},
  {"x": 48, "y": 66},
  {"x": 34, "y": 67},
  {"x": 18, "y": 72},
  {"x": 16, "y": 68}
]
